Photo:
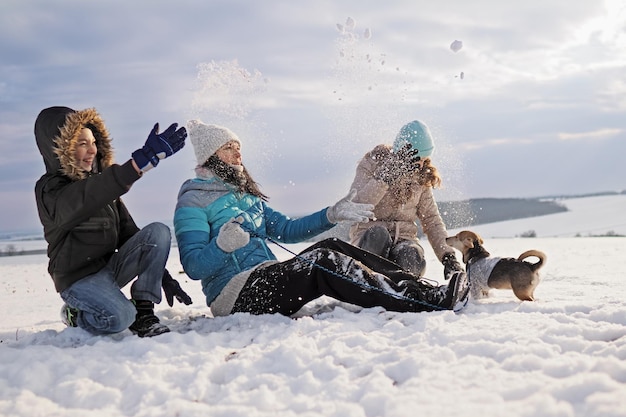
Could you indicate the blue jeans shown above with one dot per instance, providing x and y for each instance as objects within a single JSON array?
[{"x": 103, "y": 308}]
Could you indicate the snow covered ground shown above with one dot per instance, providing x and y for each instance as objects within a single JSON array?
[{"x": 562, "y": 355}]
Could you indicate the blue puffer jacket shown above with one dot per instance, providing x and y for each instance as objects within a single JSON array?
[{"x": 204, "y": 205}]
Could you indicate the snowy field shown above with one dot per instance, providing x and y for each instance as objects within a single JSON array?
[{"x": 562, "y": 355}]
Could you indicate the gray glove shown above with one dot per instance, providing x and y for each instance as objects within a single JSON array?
[
  {"x": 346, "y": 209},
  {"x": 231, "y": 236}
]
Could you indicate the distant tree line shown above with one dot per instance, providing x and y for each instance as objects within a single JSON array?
[
  {"x": 12, "y": 250},
  {"x": 457, "y": 214}
]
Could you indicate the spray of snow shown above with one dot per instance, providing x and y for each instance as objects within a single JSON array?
[
  {"x": 374, "y": 98},
  {"x": 227, "y": 91},
  {"x": 456, "y": 46},
  {"x": 362, "y": 80},
  {"x": 230, "y": 95},
  {"x": 366, "y": 89}
]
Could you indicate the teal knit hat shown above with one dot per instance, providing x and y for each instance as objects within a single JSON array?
[{"x": 418, "y": 135}]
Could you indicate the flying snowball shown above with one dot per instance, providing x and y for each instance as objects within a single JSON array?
[
  {"x": 367, "y": 33},
  {"x": 456, "y": 46},
  {"x": 340, "y": 28},
  {"x": 350, "y": 23}
]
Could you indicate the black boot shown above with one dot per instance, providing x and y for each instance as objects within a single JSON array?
[
  {"x": 444, "y": 297},
  {"x": 146, "y": 323},
  {"x": 69, "y": 315},
  {"x": 430, "y": 295},
  {"x": 458, "y": 291}
]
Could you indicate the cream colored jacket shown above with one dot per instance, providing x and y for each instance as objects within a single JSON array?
[{"x": 400, "y": 220}]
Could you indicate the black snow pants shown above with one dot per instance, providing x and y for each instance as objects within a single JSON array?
[{"x": 342, "y": 271}]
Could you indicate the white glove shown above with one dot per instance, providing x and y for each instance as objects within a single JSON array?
[
  {"x": 231, "y": 236},
  {"x": 346, "y": 209}
]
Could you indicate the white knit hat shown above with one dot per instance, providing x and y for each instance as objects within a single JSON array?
[{"x": 207, "y": 139}]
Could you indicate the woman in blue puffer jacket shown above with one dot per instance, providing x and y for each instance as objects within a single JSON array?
[{"x": 222, "y": 222}]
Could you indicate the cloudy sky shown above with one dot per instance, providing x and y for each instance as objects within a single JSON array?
[{"x": 533, "y": 104}]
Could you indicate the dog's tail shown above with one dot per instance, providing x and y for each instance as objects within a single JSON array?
[{"x": 540, "y": 255}]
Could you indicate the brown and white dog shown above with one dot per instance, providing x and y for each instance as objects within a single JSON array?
[{"x": 485, "y": 272}]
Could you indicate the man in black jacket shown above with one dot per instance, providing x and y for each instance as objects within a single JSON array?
[{"x": 94, "y": 246}]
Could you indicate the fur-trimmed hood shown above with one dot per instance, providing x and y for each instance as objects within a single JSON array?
[{"x": 57, "y": 130}]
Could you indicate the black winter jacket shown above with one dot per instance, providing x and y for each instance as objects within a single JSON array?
[{"x": 83, "y": 217}]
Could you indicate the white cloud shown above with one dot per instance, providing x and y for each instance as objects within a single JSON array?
[{"x": 594, "y": 135}]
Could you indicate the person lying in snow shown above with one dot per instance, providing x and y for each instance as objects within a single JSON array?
[
  {"x": 222, "y": 222},
  {"x": 399, "y": 180},
  {"x": 94, "y": 245}
]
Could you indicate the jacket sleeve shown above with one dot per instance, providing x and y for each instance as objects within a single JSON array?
[
  {"x": 432, "y": 223},
  {"x": 368, "y": 189},
  {"x": 198, "y": 253},
  {"x": 69, "y": 203},
  {"x": 283, "y": 229}
]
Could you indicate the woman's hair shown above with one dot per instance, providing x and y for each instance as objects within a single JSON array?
[
  {"x": 428, "y": 175},
  {"x": 239, "y": 178}
]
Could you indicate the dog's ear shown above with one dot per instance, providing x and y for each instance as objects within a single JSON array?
[{"x": 468, "y": 242}]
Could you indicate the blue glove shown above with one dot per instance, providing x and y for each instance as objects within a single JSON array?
[{"x": 159, "y": 146}]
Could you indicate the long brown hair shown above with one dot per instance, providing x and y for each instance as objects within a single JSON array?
[
  {"x": 240, "y": 179},
  {"x": 428, "y": 174}
]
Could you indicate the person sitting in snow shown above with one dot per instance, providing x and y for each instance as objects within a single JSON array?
[
  {"x": 222, "y": 222},
  {"x": 398, "y": 180},
  {"x": 94, "y": 246}
]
